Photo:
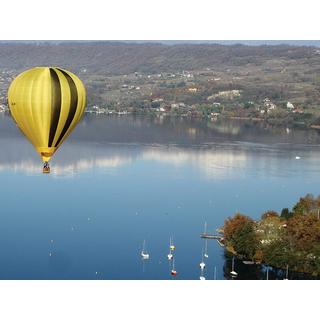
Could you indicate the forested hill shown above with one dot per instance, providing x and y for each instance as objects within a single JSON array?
[{"x": 123, "y": 58}]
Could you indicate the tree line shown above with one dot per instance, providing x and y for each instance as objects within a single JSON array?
[{"x": 289, "y": 238}]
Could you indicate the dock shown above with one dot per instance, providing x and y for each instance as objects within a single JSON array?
[{"x": 211, "y": 236}]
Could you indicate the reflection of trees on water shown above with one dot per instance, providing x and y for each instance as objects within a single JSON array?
[
  {"x": 258, "y": 271},
  {"x": 245, "y": 272}
]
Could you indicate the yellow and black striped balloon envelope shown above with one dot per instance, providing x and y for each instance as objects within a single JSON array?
[{"x": 46, "y": 104}]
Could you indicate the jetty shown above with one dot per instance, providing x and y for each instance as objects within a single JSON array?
[{"x": 211, "y": 236}]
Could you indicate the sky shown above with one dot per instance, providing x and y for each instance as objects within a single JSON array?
[{"x": 315, "y": 43}]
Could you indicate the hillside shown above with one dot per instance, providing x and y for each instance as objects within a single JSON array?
[
  {"x": 195, "y": 76},
  {"x": 122, "y": 58}
]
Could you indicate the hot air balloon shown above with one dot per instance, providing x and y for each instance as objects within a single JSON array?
[{"x": 46, "y": 104}]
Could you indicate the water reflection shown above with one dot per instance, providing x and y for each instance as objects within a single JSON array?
[
  {"x": 110, "y": 143},
  {"x": 218, "y": 160},
  {"x": 144, "y": 178}
]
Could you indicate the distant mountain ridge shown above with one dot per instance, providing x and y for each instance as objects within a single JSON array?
[
  {"x": 126, "y": 57},
  {"x": 307, "y": 43}
]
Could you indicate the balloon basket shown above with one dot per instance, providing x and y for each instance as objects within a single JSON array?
[{"x": 46, "y": 170}]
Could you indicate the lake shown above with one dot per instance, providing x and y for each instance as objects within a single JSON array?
[{"x": 120, "y": 180}]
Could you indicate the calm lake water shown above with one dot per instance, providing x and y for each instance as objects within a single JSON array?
[{"x": 119, "y": 180}]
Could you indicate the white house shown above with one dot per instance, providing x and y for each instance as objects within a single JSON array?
[{"x": 290, "y": 106}]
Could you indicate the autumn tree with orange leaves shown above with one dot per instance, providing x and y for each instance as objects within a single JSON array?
[{"x": 239, "y": 232}]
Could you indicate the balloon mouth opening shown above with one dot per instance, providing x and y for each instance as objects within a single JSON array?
[
  {"x": 46, "y": 152},
  {"x": 46, "y": 156}
]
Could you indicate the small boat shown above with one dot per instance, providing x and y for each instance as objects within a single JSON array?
[
  {"x": 144, "y": 254},
  {"x": 297, "y": 157},
  {"x": 202, "y": 265},
  {"x": 172, "y": 246},
  {"x": 233, "y": 273},
  {"x": 173, "y": 270},
  {"x": 202, "y": 278}
]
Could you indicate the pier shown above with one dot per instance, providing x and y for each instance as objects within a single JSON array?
[{"x": 211, "y": 236}]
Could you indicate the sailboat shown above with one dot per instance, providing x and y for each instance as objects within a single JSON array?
[
  {"x": 172, "y": 246},
  {"x": 144, "y": 254},
  {"x": 206, "y": 248},
  {"x": 202, "y": 277},
  {"x": 233, "y": 273},
  {"x": 202, "y": 265},
  {"x": 173, "y": 271},
  {"x": 205, "y": 242},
  {"x": 287, "y": 273},
  {"x": 170, "y": 255}
]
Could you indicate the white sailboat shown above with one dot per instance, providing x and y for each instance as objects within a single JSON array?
[
  {"x": 233, "y": 273},
  {"x": 205, "y": 242},
  {"x": 202, "y": 277},
  {"x": 202, "y": 265},
  {"x": 144, "y": 254},
  {"x": 206, "y": 248},
  {"x": 170, "y": 255}
]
